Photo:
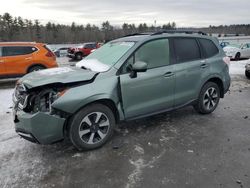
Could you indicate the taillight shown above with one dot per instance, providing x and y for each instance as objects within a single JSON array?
[
  {"x": 226, "y": 60},
  {"x": 50, "y": 54}
]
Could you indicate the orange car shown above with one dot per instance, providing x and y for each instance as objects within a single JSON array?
[{"x": 19, "y": 58}]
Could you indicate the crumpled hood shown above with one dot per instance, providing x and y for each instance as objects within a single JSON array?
[{"x": 62, "y": 75}]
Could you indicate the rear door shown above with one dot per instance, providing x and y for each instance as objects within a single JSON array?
[
  {"x": 17, "y": 59},
  {"x": 153, "y": 90},
  {"x": 2, "y": 67},
  {"x": 188, "y": 69}
]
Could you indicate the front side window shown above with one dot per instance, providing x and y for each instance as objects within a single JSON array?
[
  {"x": 186, "y": 49},
  {"x": 90, "y": 46},
  {"x": 209, "y": 47},
  {"x": 154, "y": 53},
  {"x": 17, "y": 50},
  {"x": 0, "y": 51}
]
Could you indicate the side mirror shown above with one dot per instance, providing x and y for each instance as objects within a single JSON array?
[{"x": 139, "y": 66}]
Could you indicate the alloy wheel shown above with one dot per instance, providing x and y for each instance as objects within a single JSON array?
[
  {"x": 210, "y": 99},
  {"x": 94, "y": 127}
]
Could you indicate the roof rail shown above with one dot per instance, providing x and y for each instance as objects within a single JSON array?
[
  {"x": 135, "y": 34},
  {"x": 179, "y": 31}
]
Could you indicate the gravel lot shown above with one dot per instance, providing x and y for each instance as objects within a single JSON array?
[{"x": 177, "y": 149}]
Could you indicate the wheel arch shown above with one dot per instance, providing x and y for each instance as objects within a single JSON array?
[
  {"x": 219, "y": 82},
  {"x": 35, "y": 64},
  {"x": 104, "y": 101}
]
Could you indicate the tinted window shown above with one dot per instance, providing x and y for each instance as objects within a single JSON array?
[
  {"x": 0, "y": 51},
  {"x": 154, "y": 53},
  {"x": 208, "y": 47},
  {"x": 186, "y": 49},
  {"x": 90, "y": 46},
  {"x": 18, "y": 50}
]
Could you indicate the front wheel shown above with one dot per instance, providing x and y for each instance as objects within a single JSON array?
[
  {"x": 247, "y": 73},
  {"x": 208, "y": 99},
  {"x": 237, "y": 56},
  {"x": 78, "y": 56},
  {"x": 92, "y": 127}
]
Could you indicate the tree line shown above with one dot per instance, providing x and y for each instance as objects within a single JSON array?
[{"x": 19, "y": 29}]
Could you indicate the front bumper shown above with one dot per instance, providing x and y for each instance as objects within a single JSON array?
[{"x": 40, "y": 127}]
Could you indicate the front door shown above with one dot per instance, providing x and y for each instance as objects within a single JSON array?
[
  {"x": 245, "y": 51},
  {"x": 151, "y": 91}
]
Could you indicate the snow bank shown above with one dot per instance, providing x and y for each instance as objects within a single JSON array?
[{"x": 5, "y": 100}]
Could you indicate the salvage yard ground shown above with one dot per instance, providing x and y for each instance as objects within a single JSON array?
[{"x": 177, "y": 149}]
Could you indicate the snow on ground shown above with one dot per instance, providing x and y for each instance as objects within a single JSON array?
[
  {"x": 238, "y": 67},
  {"x": 5, "y": 100}
]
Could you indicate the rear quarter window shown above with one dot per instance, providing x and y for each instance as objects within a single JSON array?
[
  {"x": 186, "y": 49},
  {"x": 17, "y": 50},
  {"x": 209, "y": 48}
]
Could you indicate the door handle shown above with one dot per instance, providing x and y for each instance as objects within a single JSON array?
[
  {"x": 28, "y": 58},
  {"x": 204, "y": 65},
  {"x": 168, "y": 74},
  {"x": 1, "y": 61}
]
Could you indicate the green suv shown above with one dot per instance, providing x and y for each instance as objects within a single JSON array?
[{"x": 132, "y": 77}]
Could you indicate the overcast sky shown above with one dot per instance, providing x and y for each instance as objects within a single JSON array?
[{"x": 194, "y": 13}]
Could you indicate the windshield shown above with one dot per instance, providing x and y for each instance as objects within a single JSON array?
[{"x": 105, "y": 57}]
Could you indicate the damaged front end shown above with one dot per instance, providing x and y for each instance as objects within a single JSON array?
[{"x": 34, "y": 117}]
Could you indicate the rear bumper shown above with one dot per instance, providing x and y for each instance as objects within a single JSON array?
[
  {"x": 227, "y": 81},
  {"x": 40, "y": 127}
]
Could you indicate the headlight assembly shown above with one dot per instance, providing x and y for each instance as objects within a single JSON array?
[{"x": 42, "y": 101}]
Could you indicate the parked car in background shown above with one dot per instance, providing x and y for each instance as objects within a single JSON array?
[
  {"x": 61, "y": 52},
  {"x": 238, "y": 51},
  {"x": 19, "y": 58},
  {"x": 81, "y": 51},
  {"x": 125, "y": 79},
  {"x": 247, "y": 71},
  {"x": 224, "y": 44}
]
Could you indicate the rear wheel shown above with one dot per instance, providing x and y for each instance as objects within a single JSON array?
[
  {"x": 92, "y": 127},
  {"x": 247, "y": 73},
  {"x": 208, "y": 99},
  {"x": 35, "y": 68}
]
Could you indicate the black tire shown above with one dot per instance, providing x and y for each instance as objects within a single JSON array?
[
  {"x": 95, "y": 123},
  {"x": 247, "y": 73},
  {"x": 237, "y": 56},
  {"x": 209, "y": 98},
  {"x": 78, "y": 56},
  {"x": 35, "y": 68}
]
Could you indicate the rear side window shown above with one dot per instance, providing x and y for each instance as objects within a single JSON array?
[
  {"x": 17, "y": 50},
  {"x": 154, "y": 53},
  {"x": 208, "y": 47},
  {"x": 0, "y": 51},
  {"x": 186, "y": 49}
]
